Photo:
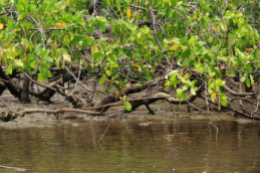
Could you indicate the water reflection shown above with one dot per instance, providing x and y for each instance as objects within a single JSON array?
[{"x": 128, "y": 146}]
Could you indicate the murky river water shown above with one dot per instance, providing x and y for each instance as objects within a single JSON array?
[{"x": 134, "y": 146}]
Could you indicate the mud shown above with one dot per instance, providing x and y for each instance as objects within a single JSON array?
[{"x": 162, "y": 109}]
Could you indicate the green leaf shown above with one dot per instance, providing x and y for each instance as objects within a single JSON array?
[
  {"x": 181, "y": 94},
  {"x": 247, "y": 68},
  {"x": 174, "y": 2},
  {"x": 51, "y": 5},
  {"x": 193, "y": 90},
  {"x": 18, "y": 62},
  {"x": 223, "y": 99},
  {"x": 128, "y": 106},
  {"x": 184, "y": 42},
  {"x": 244, "y": 33},
  {"x": 78, "y": 38},
  {"x": 220, "y": 82},
  {"x": 207, "y": 8},
  {"x": 162, "y": 11},
  {"x": 112, "y": 58},
  {"x": 106, "y": 90},
  {"x": 9, "y": 69},
  {"x": 252, "y": 79},
  {"x": 102, "y": 26},
  {"x": 34, "y": 64},
  {"x": 145, "y": 30},
  {"x": 67, "y": 2},
  {"x": 66, "y": 41},
  {"x": 66, "y": 57},
  {"x": 247, "y": 82},
  {"x": 102, "y": 79},
  {"x": 116, "y": 29},
  {"x": 186, "y": 62},
  {"x": 218, "y": 72},
  {"x": 243, "y": 78},
  {"x": 108, "y": 72},
  {"x": 45, "y": 73},
  {"x": 38, "y": 49},
  {"x": 40, "y": 77},
  {"x": 147, "y": 74},
  {"x": 9, "y": 24},
  {"x": 137, "y": 55},
  {"x": 87, "y": 42},
  {"x": 97, "y": 55},
  {"x": 185, "y": 53}
]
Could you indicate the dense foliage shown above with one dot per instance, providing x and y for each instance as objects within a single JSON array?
[{"x": 135, "y": 41}]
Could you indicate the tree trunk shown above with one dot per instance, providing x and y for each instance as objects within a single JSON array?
[
  {"x": 24, "y": 98},
  {"x": 16, "y": 92}
]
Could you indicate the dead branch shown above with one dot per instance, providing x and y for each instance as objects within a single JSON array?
[
  {"x": 236, "y": 93},
  {"x": 155, "y": 36}
]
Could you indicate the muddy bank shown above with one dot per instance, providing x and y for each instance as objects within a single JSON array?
[{"x": 162, "y": 109}]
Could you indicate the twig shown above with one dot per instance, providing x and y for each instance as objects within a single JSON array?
[
  {"x": 52, "y": 111},
  {"x": 14, "y": 168},
  {"x": 236, "y": 93},
  {"x": 110, "y": 122},
  {"x": 142, "y": 8},
  {"x": 40, "y": 29},
  {"x": 195, "y": 106},
  {"x": 93, "y": 91},
  {"x": 216, "y": 129},
  {"x": 206, "y": 98},
  {"x": 155, "y": 36},
  {"x": 45, "y": 86},
  {"x": 78, "y": 78},
  {"x": 216, "y": 114},
  {"x": 6, "y": 105},
  {"x": 257, "y": 93}
]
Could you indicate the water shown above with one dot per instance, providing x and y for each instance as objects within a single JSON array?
[{"x": 134, "y": 146}]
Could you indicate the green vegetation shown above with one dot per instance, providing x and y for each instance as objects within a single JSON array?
[{"x": 199, "y": 48}]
